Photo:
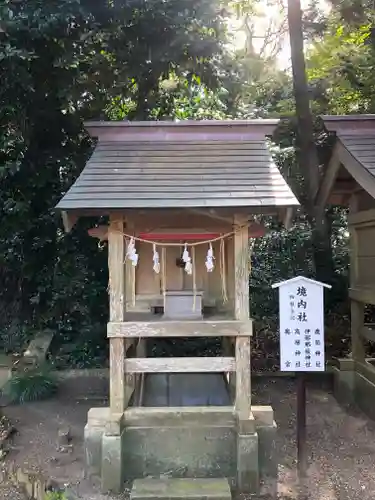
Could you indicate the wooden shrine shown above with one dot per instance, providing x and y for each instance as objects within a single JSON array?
[
  {"x": 349, "y": 180},
  {"x": 182, "y": 201}
]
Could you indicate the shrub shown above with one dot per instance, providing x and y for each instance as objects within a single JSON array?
[
  {"x": 55, "y": 495},
  {"x": 31, "y": 385}
]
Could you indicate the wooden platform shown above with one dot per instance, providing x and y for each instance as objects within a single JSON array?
[{"x": 180, "y": 489}]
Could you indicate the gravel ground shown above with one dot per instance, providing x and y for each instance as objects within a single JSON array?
[
  {"x": 9, "y": 492},
  {"x": 341, "y": 444}
]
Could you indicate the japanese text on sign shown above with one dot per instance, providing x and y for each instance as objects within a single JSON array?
[{"x": 301, "y": 326}]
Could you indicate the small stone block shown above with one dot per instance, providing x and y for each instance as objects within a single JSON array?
[
  {"x": 247, "y": 464},
  {"x": 93, "y": 437},
  {"x": 114, "y": 424},
  {"x": 29, "y": 487},
  {"x": 268, "y": 458},
  {"x": 97, "y": 417},
  {"x": 21, "y": 476},
  {"x": 263, "y": 415},
  {"x": 246, "y": 426},
  {"x": 180, "y": 489},
  {"x": 39, "y": 489},
  {"x": 112, "y": 468},
  {"x": 64, "y": 437},
  {"x": 346, "y": 364}
]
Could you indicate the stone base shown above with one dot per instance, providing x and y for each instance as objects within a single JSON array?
[
  {"x": 199, "y": 442},
  {"x": 247, "y": 463},
  {"x": 354, "y": 384},
  {"x": 113, "y": 470},
  {"x": 180, "y": 489},
  {"x": 180, "y": 442}
]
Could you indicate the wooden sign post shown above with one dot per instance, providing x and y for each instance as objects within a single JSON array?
[{"x": 301, "y": 311}]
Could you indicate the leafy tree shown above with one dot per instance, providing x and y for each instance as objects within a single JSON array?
[{"x": 63, "y": 62}]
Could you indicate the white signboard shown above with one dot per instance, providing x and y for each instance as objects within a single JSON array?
[{"x": 301, "y": 302}]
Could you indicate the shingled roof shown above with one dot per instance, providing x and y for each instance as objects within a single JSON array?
[
  {"x": 353, "y": 158},
  {"x": 176, "y": 165}
]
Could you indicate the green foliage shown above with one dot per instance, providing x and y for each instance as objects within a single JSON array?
[
  {"x": 66, "y": 61},
  {"x": 55, "y": 495},
  {"x": 341, "y": 62},
  {"x": 31, "y": 385},
  {"x": 63, "y": 63}
]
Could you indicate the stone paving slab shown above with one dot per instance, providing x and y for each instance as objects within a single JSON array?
[{"x": 180, "y": 489}]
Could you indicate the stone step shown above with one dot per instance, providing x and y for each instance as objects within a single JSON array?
[{"x": 180, "y": 489}]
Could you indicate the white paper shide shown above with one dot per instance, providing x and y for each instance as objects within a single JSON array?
[{"x": 301, "y": 309}]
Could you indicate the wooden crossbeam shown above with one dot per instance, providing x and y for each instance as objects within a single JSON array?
[
  {"x": 136, "y": 329},
  {"x": 179, "y": 365},
  {"x": 365, "y": 295}
]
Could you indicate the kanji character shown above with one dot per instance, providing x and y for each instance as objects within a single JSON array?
[{"x": 302, "y": 317}]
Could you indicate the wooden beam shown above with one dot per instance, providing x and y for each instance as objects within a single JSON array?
[
  {"x": 357, "y": 170},
  {"x": 329, "y": 178},
  {"x": 363, "y": 294},
  {"x": 241, "y": 307},
  {"x": 241, "y": 271},
  {"x": 357, "y": 323},
  {"x": 116, "y": 253},
  {"x": 288, "y": 217},
  {"x": 353, "y": 243},
  {"x": 362, "y": 217},
  {"x": 243, "y": 378},
  {"x": 69, "y": 221},
  {"x": 212, "y": 214},
  {"x": 256, "y": 230},
  {"x": 135, "y": 329},
  {"x": 179, "y": 365}
]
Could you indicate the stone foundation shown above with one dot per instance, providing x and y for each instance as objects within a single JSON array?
[
  {"x": 354, "y": 383},
  {"x": 181, "y": 442}
]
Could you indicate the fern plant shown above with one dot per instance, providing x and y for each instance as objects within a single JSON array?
[
  {"x": 55, "y": 495},
  {"x": 31, "y": 385}
]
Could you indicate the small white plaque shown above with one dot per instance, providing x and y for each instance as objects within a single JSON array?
[{"x": 301, "y": 304}]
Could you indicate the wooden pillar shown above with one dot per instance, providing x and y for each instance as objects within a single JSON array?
[
  {"x": 357, "y": 323},
  {"x": 116, "y": 255},
  {"x": 241, "y": 308},
  {"x": 357, "y": 309}
]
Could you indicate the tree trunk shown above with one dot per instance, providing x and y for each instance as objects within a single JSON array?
[{"x": 307, "y": 155}]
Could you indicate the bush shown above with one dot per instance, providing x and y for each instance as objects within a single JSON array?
[
  {"x": 55, "y": 495},
  {"x": 32, "y": 385}
]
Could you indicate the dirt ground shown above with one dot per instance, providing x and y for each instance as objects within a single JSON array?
[{"x": 341, "y": 444}]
